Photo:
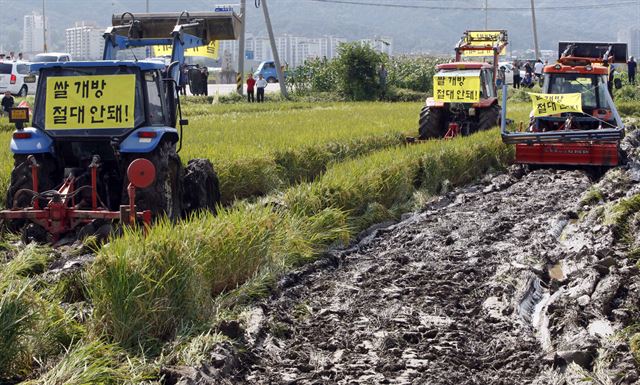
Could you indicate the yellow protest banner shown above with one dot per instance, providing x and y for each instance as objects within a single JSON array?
[
  {"x": 483, "y": 39},
  {"x": 551, "y": 104},
  {"x": 211, "y": 50},
  {"x": 483, "y": 52},
  {"x": 97, "y": 101},
  {"x": 456, "y": 88}
]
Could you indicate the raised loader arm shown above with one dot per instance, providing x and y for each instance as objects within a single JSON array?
[{"x": 181, "y": 31}]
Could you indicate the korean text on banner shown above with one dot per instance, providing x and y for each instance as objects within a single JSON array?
[
  {"x": 483, "y": 39},
  {"x": 551, "y": 104},
  {"x": 211, "y": 50},
  {"x": 456, "y": 89},
  {"x": 483, "y": 52},
  {"x": 100, "y": 101}
]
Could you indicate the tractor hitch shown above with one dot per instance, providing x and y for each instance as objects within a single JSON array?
[{"x": 62, "y": 215}]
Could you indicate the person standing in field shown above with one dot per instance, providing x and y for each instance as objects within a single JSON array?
[
  {"x": 251, "y": 82},
  {"x": 261, "y": 84},
  {"x": 516, "y": 75},
  {"x": 537, "y": 69},
  {"x": 632, "y": 65}
]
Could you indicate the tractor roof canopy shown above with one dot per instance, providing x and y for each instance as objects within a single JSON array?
[{"x": 142, "y": 64}]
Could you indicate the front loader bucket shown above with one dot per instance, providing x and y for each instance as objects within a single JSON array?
[{"x": 205, "y": 25}]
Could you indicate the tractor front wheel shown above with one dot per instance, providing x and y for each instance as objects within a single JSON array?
[
  {"x": 164, "y": 196},
  {"x": 489, "y": 117},
  {"x": 201, "y": 187},
  {"x": 431, "y": 123}
]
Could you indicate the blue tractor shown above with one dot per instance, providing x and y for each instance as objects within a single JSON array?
[{"x": 105, "y": 135}]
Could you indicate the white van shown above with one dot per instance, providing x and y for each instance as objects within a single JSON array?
[
  {"x": 15, "y": 78},
  {"x": 50, "y": 57}
]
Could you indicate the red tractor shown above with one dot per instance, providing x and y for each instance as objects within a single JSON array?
[
  {"x": 588, "y": 133},
  {"x": 465, "y": 97}
]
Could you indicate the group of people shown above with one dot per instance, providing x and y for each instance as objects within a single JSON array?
[
  {"x": 11, "y": 56},
  {"x": 532, "y": 73},
  {"x": 196, "y": 77},
  {"x": 256, "y": 87}
]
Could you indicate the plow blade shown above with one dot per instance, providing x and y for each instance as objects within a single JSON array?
[
  {"x": 205, "y": 25},
  {"x": 575, "y": 154}
]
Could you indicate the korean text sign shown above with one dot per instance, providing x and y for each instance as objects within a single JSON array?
[
  {"x": 97, "y": 101},
  {"x": 551, "y": 104},
  {"x": 211, "y": 50},
  {"x": 456, "y": 89}
]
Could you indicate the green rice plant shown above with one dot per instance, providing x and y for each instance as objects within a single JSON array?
[
  {"x": 144, "y": 288},
  {"x": 91, "y": 362},
  {"x": 256, "y": 149},
  {"x": 18, "y": 319}
]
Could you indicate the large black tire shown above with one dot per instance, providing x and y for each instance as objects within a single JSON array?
[
  {"x": 21, "y": 178},
  {"x": 431, "y": 123},
  {"x": 488, "y": 117},
  {"x": 164, "y": 196},
  {"x": 201, "y": 187}
]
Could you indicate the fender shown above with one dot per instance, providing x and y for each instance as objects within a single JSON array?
[
  {"x": 146, "y": 139},
  {"x": 432, "y": 103},
  {"x": 38, "y": 143}
]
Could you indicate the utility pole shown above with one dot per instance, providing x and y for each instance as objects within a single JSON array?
[
  {"x": 274, "y": 49},
  {"x": 486, "y": 15},
  {"x": 535, "y": 30},
  {"x": 240, "y": 78},
  {"x": 148, "y": 47},
  {"x": 44, "y": 28}
]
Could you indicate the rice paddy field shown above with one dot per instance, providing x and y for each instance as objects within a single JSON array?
[{"x": 318, "y": 174}]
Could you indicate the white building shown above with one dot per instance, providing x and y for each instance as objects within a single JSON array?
[
  {"x": 33, "y": 33},
  {"x": 631, "y": 36},
  {"x": 84, "y": 41},
  {"x": 381, "y": 44}
]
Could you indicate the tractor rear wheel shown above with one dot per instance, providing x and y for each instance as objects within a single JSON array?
[
  {"x": 21, "y": 178},
  {"x": 431, "y": 123},
  {"x": 489, "y": 117},
  {"x": 164, "y": 196},
  {"x": 201, "y": 187}
]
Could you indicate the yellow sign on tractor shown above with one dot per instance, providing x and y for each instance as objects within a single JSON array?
[
  {"x": 487, "y": 39},
  {"x": 552, "y": 104},
  {"x": 453, "y": 87},
  {"x": 89, "y": 102},
  {"x": 211, "y": 50}
]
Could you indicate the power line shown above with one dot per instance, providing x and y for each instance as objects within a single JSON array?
[{"x": 500, "y": 9}]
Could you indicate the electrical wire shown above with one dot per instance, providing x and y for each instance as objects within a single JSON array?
[{"x": 502, "y": 9}]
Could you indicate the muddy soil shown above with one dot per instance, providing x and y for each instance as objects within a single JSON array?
[{"x": 511, "y": 281}]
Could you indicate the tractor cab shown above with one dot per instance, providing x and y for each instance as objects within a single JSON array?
[{"x": 591, "y": 85}]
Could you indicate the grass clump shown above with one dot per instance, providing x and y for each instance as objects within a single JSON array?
[
  {"x": 33, "y": 327},
  {"x": 94, "y": 362},
  {"x": 146, "y": 288},
  {"x": 620, "y": 214}
]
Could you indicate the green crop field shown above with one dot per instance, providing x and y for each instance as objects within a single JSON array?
[{"x": 326, "y": 171}]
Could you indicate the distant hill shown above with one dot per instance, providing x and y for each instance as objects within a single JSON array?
[{"x": 413, "y": 30}]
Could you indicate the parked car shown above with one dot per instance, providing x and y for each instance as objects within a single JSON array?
[
  {"x": 15, "y": 77},
  {"x": 508, "y": 71},
  {"x": 268, "y": 71},
  {"x": 51, "y": 57}
]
